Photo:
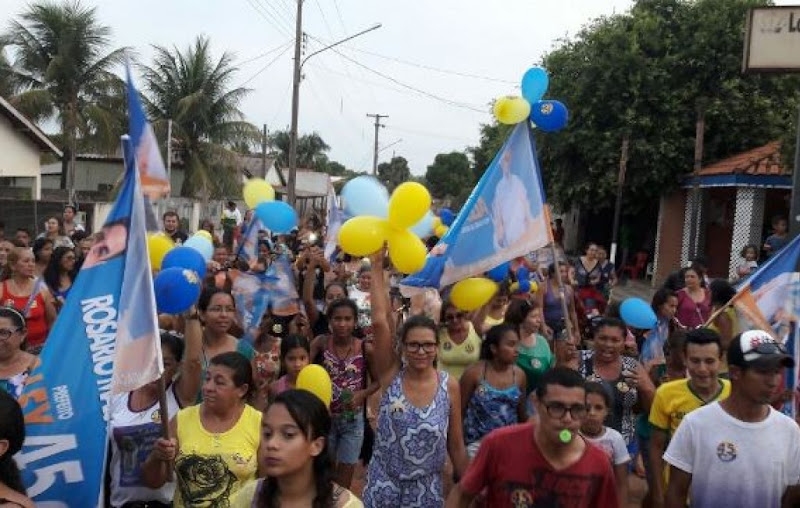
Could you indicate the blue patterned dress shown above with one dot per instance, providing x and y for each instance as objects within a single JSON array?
[
  {"x": 410, "y": 447},
  {"x": 490, "y": 408}
]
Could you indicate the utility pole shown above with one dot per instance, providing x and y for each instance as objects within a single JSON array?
[
  {"x": 264, "y": 153},
  {"x": 623, "y": 167},
  {"x": 298, "y": 43},
  {"x": 700, "y": 129},
  {"x": 378, "y": 125}
]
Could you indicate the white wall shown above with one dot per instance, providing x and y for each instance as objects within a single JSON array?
[{"x": 19, "y": 156}]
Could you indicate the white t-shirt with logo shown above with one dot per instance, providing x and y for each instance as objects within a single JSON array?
[
  {"x": 735, "y": 463},
  {"x": 132, "y": 438},
  {"x": 613, "y": 445}
]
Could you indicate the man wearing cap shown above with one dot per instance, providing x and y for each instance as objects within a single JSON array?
[{"x": 741, "y": 451}]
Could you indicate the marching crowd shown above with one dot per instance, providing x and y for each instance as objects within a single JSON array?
[{"x": 529, "y": 401}]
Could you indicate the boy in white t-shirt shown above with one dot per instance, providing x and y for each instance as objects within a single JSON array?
[
  {"x": 598, "y": 404},
  {"x": 739, "y": 452}
]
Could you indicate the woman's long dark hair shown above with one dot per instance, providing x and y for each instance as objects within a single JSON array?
[
  {"x": 313, "y": 418},
  {"x": 12, "y": 428},
  {"x": 53, "y": 271}
]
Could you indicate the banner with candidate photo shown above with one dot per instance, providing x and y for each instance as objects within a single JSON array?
[
  {"x": 66, "y": 398},
  {"x": 505, "y": 217}
]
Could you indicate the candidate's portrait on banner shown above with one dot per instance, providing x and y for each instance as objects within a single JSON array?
[{"x": 110, "y": 242}]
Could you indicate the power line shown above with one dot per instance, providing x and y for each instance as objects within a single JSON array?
[
  {"x": 324, "y": 19},
  {"x": 426, "y": 67},
  {"x": 413, "y": 88},
  {"x": 426, "y": 133},
  {"x": 257, "y": 7},
  {"x": 339, "y": 14},
  {"x": 268, "y": 65},
  {"x": 262, "y": 55},
  {"x": 277, "y": 14}
]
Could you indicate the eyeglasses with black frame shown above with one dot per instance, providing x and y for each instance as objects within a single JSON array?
[
  {"x": 415, "y": 347},
  {"x": 558, "y": 410}
]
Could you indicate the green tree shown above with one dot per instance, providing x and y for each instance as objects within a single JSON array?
[
  {"x": 394, "y": 172},
  {"x": 449, "y": 175},
  {"x": 645, "y": 74},
  {"x": 311, "y": 150},
  {"x": 61, "y": 71},
  {"x": 194, "y": 90}
]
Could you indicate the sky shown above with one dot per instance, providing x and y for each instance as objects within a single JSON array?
[{"x": 433, "y": 67}]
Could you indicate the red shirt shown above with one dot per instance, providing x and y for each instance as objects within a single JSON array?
[
  {"x": 36, "y": 319},
  {"x": 516, "y": 474}
]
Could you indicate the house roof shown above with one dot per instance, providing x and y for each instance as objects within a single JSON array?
[
  {"x": 764, "y": 160},
  {"x": 250, "y": 165},
  {"x": 28, "y": 128}
]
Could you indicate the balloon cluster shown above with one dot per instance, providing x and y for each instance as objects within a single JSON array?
[
  {"x": 547, "y": 115},
  {"x": 391, "y": 223},
  {"x": 180, "y": 269},
  {"x": 277, "y": 216},
  {"x": 524, "y": 284}
]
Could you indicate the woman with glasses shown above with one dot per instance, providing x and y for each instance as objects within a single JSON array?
[
  {"x": 217, "y": 312},
  {"x": 459, "y": 343},
  {"x": 419, "y": 419},
  {"x": 15, "y": 364},
  {"x": 60, "y": 274},
  {"x": 136, "y": 418}
]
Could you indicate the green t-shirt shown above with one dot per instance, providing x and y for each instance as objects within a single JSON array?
[{"x": 535, "y": 361}]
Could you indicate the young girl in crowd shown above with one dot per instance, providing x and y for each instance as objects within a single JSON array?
[
  {"x": 493, "y": 390},
  {"x": 749, "y": 262},
  {"x": 295, "y": 354},
  {"x": 535, "y": 356},
  {"x": 294, "y": 457},
  {"x": 12, "y": 433},
  {"x": 598, "y": 403}
]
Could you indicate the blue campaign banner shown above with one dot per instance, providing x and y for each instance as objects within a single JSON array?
[
  {"x": 65, "y": 400},
  {"x": 505, "y": 217}
]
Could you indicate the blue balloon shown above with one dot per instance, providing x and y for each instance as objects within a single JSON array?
[
  {"x": 365, "y": 195},
  {"x": 277, "y": 216},
  {"x": 424, "y": 228},
  {"x": 534, "y": 84},
  {"x": 176, "y": 289},
  {"x": 523, "y": 274},
  {"x": 499, "y": 272},
  {"x": 447, "y": 216},
  {"x": 638, "y": 314},
  {"x": 549, "y": 116},
  {"x": 201, "y": 245},
  {"x": 525, "y": 286},
  {"x": 185, "y": 257}
]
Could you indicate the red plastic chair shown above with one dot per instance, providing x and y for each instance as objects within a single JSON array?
[{"x": 638, "y": 266}]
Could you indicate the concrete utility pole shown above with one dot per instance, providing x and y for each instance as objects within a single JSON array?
[
  {"x": 264, "y": 152},
  {"x": 291, "y": 183},
  {"x": 378, "y": 125}
]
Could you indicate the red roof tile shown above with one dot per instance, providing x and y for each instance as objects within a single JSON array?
[{"x": 764, "y": 160}]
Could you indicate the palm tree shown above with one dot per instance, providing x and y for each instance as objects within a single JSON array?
[
  {"x": 61, "y": 72},
  {"x": 195, "y": 92},
  {"x": 311, "y": 150}
]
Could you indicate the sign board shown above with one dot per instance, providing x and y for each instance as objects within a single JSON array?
[{"x": 772, "y": 40}]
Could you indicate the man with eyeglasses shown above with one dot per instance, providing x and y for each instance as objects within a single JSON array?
[
  {"x": 546, "y": 463},
  {"x": 740, "y": 451}
]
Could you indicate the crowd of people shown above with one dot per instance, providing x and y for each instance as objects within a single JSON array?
[{"x": 527, "y": 401}]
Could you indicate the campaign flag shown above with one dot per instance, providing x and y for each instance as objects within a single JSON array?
[
  {"x": 248, "y": 248},
  {"x": 335, "y": 218},
  {"x": 153, "y": 173},
  {"x": 505, "y": 217},
  {"x": 66, "y": 398},
  {"x": 769, "y": 300},
  {"x": 256, "y": 293}
]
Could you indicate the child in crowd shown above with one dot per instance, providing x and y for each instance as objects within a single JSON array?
[
  {"x": 295, "y": 354},
  {"x": 779, "y": 236},
  {"x": 750, "y": 261},
  {"x": 598, "y": 404}
]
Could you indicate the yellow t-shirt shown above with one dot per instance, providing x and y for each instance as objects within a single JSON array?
[
  {"x": 244, "y": 498},
  {"x": 675, "y": 399},
  {"x": 212, "y": 467},
  {"x": 489, "y": 322},
  {"x": 455, "y": 358}
]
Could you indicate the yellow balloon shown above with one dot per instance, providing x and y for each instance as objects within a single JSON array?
[
  {"x": 534, "y": 287},
  {"x": 440, "y": 230},
  {"x": 205, "y": 234},
  {"x": 316, "y": 380},
  {"x": 511, "y": 110},
  {"x": 256, "y": 191},
  {"x": 362, "y": 235},
  {"x": 436, "y": 222},
  {"x": 158, "y": 244},
  {"x": 406, "y": 251},
  {"x": 409, "y": 203},
  {"x": 473, "y": 293}
]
